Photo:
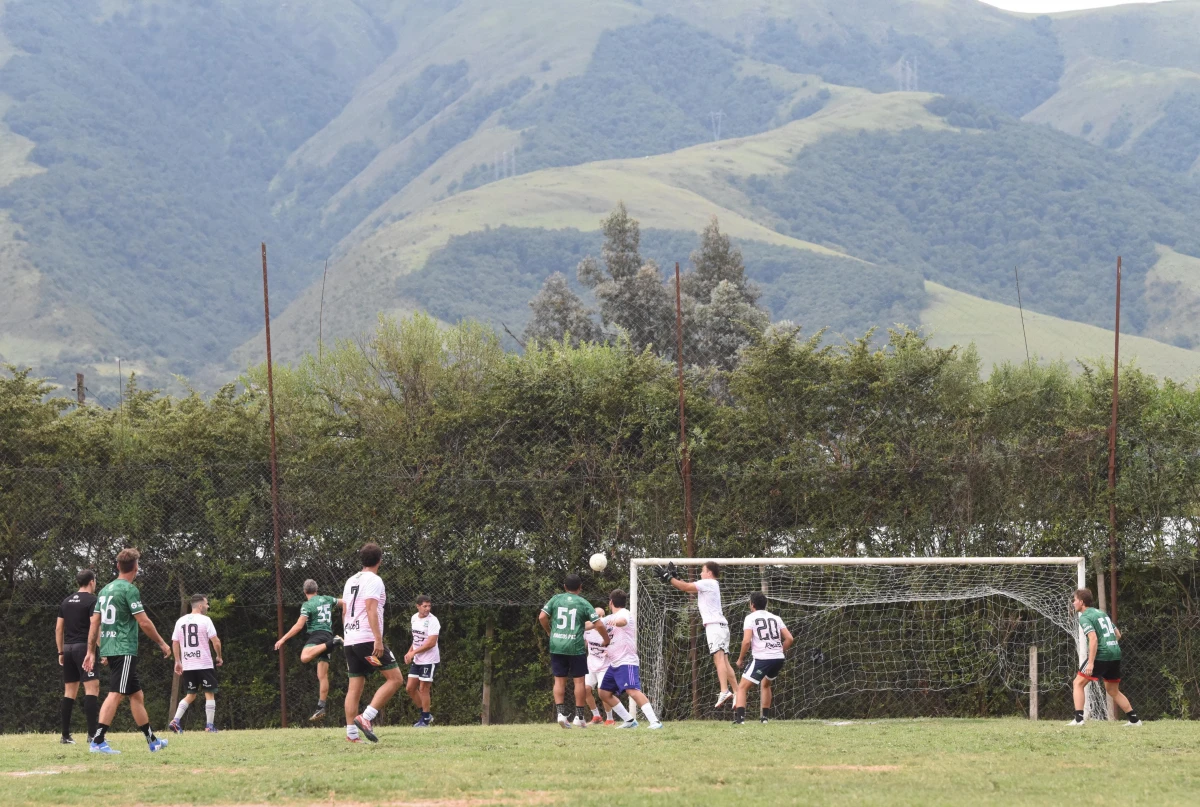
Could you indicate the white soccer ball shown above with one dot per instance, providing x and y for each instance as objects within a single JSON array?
[{"x": 598, "y": 562}]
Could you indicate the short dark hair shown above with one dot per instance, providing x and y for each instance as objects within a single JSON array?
[
  {"x": 758, "y": 600},
  {"x": 370, "y": 555},
  {"x": 422, "y": 599},
  {"x": 1084, "y": 595},
  {"x": 127, "y": 560},
  {"x": 618, "y": 598},
  {"x": 198, "y": 598},
  {"x": 84, "y": 577},
  {"x": 713, "y": 567},
  {"x": 573, "y": 582},
  {"x": 310, "y": 586}
]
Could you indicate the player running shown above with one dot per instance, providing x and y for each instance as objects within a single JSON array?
[
  {"x": 71, "y": 634},
  {"x": 362, "y": 631},
  {"x": 623, "y": 673},
  {"x": 423, "y": 658},
  {"x": 1103, "y": 660},
  {"x": 768, "y": 639},
  {"x": 114, "y": 630},
  {"x": 317, "y": 616},
  {"x": 190, "y": 640},
  {"x": 565, "y": 618},
  {"x": 597, "y": 662},
  {"x": 716, "y": 629}
]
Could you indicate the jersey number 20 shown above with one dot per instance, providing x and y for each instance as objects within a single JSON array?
[{"x": 766, "y": 628}]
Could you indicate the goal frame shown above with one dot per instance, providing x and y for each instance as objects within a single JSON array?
[{"x": 1079, "y": 563}]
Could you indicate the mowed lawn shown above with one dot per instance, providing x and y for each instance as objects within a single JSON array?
[{"x": 918, "y": 762}]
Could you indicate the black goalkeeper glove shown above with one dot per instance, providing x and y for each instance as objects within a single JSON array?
[{"x": 666, "y": 574}]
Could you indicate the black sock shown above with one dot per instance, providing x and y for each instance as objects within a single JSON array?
[
  {"x": 65, "y": 713},
  {"x": 149, "y": 732},
  {"x": 581, "y": 713},
  {"x": 426, "y": 715},
  {"x": 563, "y": 709},
  {"x": 101, "y": 730},
  {"x": 91, "y": 710},
  {"x": 739, "y": 713},
  {"x": 766, "y": 712},
  {"x": 1133, "y": 718},
  {"x": 1078, "y": 715},
  {"x": 320, "y": 704}
]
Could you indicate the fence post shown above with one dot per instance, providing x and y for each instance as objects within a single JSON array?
[
  {"x": 489, "y": 633},
  {"x": 183, "y": 611},
  {"x": 1033, "y": 682},
  {"x": 1102, "y": 601},
  {"x": 80, "y": 392},
  {"x": 275, "y": 500}
]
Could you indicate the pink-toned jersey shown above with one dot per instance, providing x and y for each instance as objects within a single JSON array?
[
  {"x": 622, "y": 647},
  {"x": 356, "y": 628},
  {"x": 193, "y": 633}
]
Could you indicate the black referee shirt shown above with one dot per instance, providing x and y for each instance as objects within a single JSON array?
[{"x": 76, "y": 613}]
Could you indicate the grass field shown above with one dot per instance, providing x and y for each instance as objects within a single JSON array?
[{"x": 893, "y": 762}]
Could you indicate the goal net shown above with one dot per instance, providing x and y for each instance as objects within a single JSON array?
[{"x": 874, "y": 637}]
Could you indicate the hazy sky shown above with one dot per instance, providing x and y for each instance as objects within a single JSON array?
[{"x": 1047, "y": 6}]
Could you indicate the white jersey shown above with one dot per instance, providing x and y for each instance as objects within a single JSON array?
[
  {"x": 766, "y": 635},
  {"x": 422, "y": 628},
  {"x": 193, "y": 632},
  {"x": 597, "y": 652},
  {"x": 622, "y": 645},
  {"x": 708, "y": 598},
  {"x": 356, "y": 628}
]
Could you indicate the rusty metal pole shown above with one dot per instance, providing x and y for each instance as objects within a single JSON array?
[
  {"x": 688, "y": 530},
  {"x": 275, "y": 498},
  {"x": 1112, "y": 457},
  {"x": 80, "y": 393}
]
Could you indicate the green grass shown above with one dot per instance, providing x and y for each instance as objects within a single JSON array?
[{"x": 893, "y": 762}]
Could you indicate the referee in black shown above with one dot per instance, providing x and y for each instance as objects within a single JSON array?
[{"x": 71, "y": 634}]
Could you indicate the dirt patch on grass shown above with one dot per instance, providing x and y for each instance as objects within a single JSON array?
[
  {"x": 46, "y": 771},
  {"x": 503, "y": 800},
  {"x": 855, "y": 768}
]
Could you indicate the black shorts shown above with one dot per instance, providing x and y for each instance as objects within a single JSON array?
[
  {"x": 72, "y": 664},
  {"x": 568, "y": 666},
  {"x": 122, "y": 675},
  {"x": 423, "y": 672},
  {"x": 758, "y": 669},
  {"x": 1108, "y": 670},
  {"x": 357, "y": 665},
  {"x": 195, "y": 680},
  {"x": 318, "y": 637}
]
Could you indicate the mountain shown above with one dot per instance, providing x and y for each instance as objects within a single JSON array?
[{"x": 147, "y": 147}]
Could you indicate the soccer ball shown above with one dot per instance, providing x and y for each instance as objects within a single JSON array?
[{"x": 598, "y": 562}]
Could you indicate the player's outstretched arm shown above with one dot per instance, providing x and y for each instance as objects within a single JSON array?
[
  {"x": 299, "y": 626},
  {"x": 544, "y": 621},
  {"x": 152, "y": 633},
  {"x": 788, "y": 641},
  {"x": 175, "y": 650},
  {"x": 93, "y": 642}
]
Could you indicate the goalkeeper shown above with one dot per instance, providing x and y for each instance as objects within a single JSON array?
[{"x": 716, "y": 629}]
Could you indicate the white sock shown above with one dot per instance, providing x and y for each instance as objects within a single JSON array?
[
  {"x": 648, "y": 711},
  {"x": 595, "y": 712},
  {"x": 183, "y": 705},
  {"x": 210, "y": 711},
  {"x": 370, "y": 712},
  {"x": 352, "y": 731},
  {"x": 622, "y": 712},
  {"x": 609, "y": 714}
]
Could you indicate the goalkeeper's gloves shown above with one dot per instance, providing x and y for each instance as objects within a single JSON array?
[{"x": 666, "y": 574}]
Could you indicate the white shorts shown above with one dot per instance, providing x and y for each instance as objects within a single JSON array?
[
  {"x": 718, "y": 637},
  {"x": 593, "y": 679}
]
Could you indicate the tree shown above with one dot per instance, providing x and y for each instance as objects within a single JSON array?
[
  {"x": 631, "y": 294},
  {"x": 559, "y": 312},
  {"x": 717, "y": 260},
  {"x": 721, "y": 311}
]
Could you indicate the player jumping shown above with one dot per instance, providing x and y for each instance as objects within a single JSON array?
[
  {"x": 716, "y": 629},
  {"x": 317, "y": 616},
  {"x": 623, "y": 675},
  {"x": 362, "y": 631},
  {"x": 423, "y": 656},
  {"x": 193, "y": 660},
  {"x": 565, "y": 618},
  {"x": 114, "y": 631},
  {"x": 597, "y": 662},
  {"x": 768, "y": 639},
  {"x": 71, "y": 634},
  {"x": 1103, "y": 660}
]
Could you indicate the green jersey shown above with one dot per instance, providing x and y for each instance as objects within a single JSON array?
[
  {"x": 568, "y": 613},
  {"x": 116, "y": 604},
  {"x": 318, "y": 610},
  {"x": 1093, "y": 620}
]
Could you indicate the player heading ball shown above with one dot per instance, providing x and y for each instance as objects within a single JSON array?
[{"x": 565, "y": 618}]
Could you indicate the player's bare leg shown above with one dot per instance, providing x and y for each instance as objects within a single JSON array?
[
  {"x": 725, "y": 675},
  {"x": 1114, "y": 691},
  {"x": 322, "y": 688},
  {"x": 1079, "y": 694},
  {"x": 591, "y": 704},
  {"x": 740, "y": 696},
  {"x": 613, "y": 703},
  {"x": 137, "y": 707}
]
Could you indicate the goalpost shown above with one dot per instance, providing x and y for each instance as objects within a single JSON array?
[{"x": 890, "y": 636}]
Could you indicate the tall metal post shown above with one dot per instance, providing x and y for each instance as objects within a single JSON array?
[
  {"x": 689, "y": 535},
  {"x": 275, "y": 498},
  {"x": 80, "y": 393},
  {"x": 1112, "y": 456}
]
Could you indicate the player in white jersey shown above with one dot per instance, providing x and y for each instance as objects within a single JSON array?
[
  {"x": 597, "y": 662},
  {"x": 716, "y": 629},
  {"x": 768, "y": 640},
  {"x": 623, "y": 675},
  {"x": 423, "y": 656},
  {"x": 362, "y": 632},
  {"x": 190, "y": 640}
]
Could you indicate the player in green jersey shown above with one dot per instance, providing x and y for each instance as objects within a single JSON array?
[
  {"x": 1103, "y": 658},
  {"x": 565, "y": 618},
  {"x": 114, "y": 631},
  {"x": 317, "y": 615}
]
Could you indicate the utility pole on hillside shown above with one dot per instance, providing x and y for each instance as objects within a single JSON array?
[{"x": 716, "y": 118}]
